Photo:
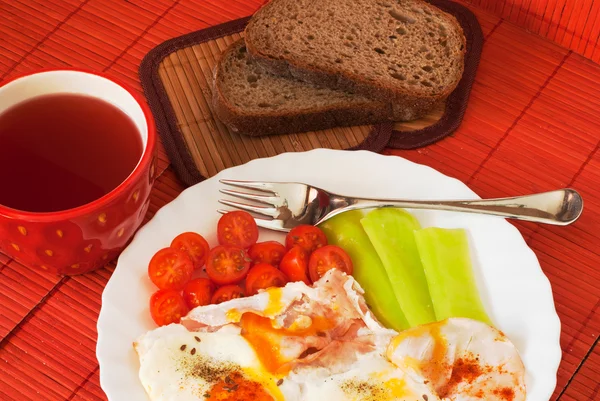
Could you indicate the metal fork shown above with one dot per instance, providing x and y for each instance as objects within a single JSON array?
[{"x": 285, "y": 205}]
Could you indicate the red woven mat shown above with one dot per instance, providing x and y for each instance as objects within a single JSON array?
[
  {"x": 574, "y": 24},
  {"x": 531, "y": 125}
]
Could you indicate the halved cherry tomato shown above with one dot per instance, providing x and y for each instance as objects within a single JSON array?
[
  {"x": 326, "y": 258},
  {"x": 264, "y": 276},
  {"x": 237, "y": 229},
  {"x": 227, "y": 264},
  {"x": 307, "y": 237},
  {"x": 194, "y": 245},
  {"x": 167, "y": 306},
  {"x": 170, "y": 269},
  {"x": 227, "y": 293},
  {"x": 198, "y": 292},
  {"x": 295, "y": 265},
  {"x": 269, "y": 252}
]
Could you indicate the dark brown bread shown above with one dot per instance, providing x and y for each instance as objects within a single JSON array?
[
  {"x": 402, "y": 51},
  {"x": 251, "y": 101}
]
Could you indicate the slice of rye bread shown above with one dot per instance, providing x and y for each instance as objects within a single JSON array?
[
  {"x": 251, "y": 101},
  {"x": 406, "y": 52}
]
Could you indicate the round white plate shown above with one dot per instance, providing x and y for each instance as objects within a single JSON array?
[{"x": 515, "y": 291}]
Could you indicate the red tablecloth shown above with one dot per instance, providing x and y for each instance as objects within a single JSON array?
[{"x": 532, "y": 125}]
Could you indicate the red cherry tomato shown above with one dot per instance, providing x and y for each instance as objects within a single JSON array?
[
  {"x": 167, "y": 306},
  {"x": 269, "y": 252},
  {"x": 264, "y": 276},
  {"x": 170, "y": 269},
  {"x": 326, "y": 258},
  {"x": 307, "y": 237},
  {"x": 237, "y": 229},
  {"x": 194, "y": 245},
  {"x": 198, "y": 292},
  {"x": 227, "y": 265},
  {"x": 295, "y": 265},
  {"x": 227, "y": 293}
]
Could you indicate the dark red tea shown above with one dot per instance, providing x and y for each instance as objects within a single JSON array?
[{"x": 61, "y": 151}]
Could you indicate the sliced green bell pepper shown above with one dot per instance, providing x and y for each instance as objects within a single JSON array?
[
  {"x": 447, "y": 264},
  {"x": 345, "y": 231},
  {"x": 391, "y": 232}
]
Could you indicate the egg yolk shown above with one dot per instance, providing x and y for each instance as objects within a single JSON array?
[
  {"x": 235, "y": 387},
  {"x": 266, "y": 339},
  {"x": 274, "y": 306},
  {"x": 233, "y": 315},
  {"x": 397, "y": 388}
]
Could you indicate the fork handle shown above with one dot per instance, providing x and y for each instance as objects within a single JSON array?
[{"x": 560, "y": 207}]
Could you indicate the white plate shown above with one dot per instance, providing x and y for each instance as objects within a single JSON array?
[{"x": 515, "y": 291}]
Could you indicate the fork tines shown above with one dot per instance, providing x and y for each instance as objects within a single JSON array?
[
  {"x": 256, "y": 185},
  {"x": 264, "y": 195}
]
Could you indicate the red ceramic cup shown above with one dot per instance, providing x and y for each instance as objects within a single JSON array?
[{"x": 84, "y": 238}]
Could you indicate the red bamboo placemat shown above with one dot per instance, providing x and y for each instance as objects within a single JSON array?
[
  {"x": 531, "y": 125},
  {"x": 572, "y": 24}
]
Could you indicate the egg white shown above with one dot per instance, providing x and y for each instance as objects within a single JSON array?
[
  {"x": 170, "y": 373},
  {"x": 371, "y": 378}
]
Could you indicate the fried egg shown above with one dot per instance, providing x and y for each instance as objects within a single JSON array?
[
  {"x": 352, "y": 374},
  {"x": 463, "y": 359},
  {"x": 176, "y": 364},
  {"x": 316, "y": 343}
]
